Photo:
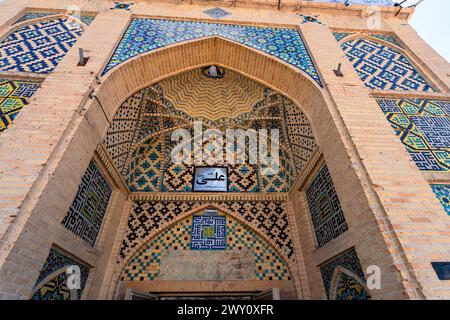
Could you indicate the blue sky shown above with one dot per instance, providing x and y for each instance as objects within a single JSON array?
[{"x": 431, "y": 21}]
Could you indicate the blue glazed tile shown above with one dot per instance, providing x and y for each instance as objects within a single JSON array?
[
  {"x": 217, "y": 13},
  {"x": 39, "y": 47},
  {"x": 145, "y": 35}
]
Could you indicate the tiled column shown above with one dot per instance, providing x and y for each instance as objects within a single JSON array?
[
  {"x": 54, "y": 140},
  {"x": 400, "y": 226}
]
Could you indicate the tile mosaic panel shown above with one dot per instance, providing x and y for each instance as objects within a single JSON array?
[
  {"x": 146, "y": 263},
  {"x": 344, "y": 290},
  {"x": 87, "y": 19},
  {"x": 268, "y": 218},
  {"x": 442, "y": 192},
  {"x": 208, "y": 232},
  {"x": 324, "y": 208},
  {"x": 144, "y": 35},
  {"x": 309, "y": 19},
  {"x": 34, "y": 15},
  {"x": 56, "y": 288},
  {"x": 341, "y": 35},
  {"x": 88, "y": 209},
  {"x": 387, "y": 3},
  {"x": 14, "y": 95},
  {"x": 39, "y": 47},
  {"x": 424, "y": 129},
  {"x": 388, "y": 38},
  {"x": 383, "y": 68},
  {"x": 348, "y": 288},
  {"x": 216, "y": 13}
]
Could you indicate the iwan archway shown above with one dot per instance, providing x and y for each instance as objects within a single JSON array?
[
  {"x": 145, "y": 70},
  {"x": 334, "y": 161}
]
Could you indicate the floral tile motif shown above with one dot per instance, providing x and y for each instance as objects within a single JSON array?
[
  {"x": 14, "y": 95},
  {"x": 442, "y": 192},
  {"x": 38, "y": 48},
  {"x": 381, "y": 67}
]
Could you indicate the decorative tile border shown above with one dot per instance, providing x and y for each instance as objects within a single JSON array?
[
  {"x": 423, "y": 127},
  {"x": 14, "y": 95},
  {"x": 55, "y": 288}
]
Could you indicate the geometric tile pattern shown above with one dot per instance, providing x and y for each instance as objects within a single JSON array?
[
  {"x": 14, "y": 95},
  {"x": 324, "y": 207},
  {"x": 55, "y": 288},
  {"x": 145, "y": 35},
  {"x": 341, "y": 35},
  {"x": 442, "y": 192},
  {"x": 139, "y": 138},
  {"x": 216, "y": 13},
  {"x": 146, "y": 167},
  {"x": 424, "y": 129},
  {"x": 121, "y": 131},
  {"x": 388, "y": 38},
  {"x": 387, "y": 3},
  {"x": 349, "y": 289},
  {"x": 384, "y": 68},
  {"x": 39, "y": 47},
  {"x": 145, "y": 263},
  {"x": 309, "y": 19},
  {"x": 344, "y": 290},
  {"x": 122, "y": 6},
  {"x": 268, "y": 218},
  {"x": 34, "y": 15},
  {"x": 208, "y": 232},
  {"x": 88, "y": 209}
]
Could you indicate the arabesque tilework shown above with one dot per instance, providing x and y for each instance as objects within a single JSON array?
[
  {"x": 56, "y": 288},
  {"x": 346, "y": 286},
  {"x": 139, "y": 138},
  {"x": 39, "y": 47},
  {"x": 324, "y": 207},
  {"x": 88, "y": 209},
  {"x": 268, "y": 218},
  {"x": 384, "y": 68},
  {"x": 423, "y": 127},
  {"x": 145, "y": 264},
  {"x": 388, "y": 38},
  {"x": 14, "y": 95},
  {"x": 442, "y": 192},
  {"x": 145, "y": 35},
  {"x": 208, "y": 232}
]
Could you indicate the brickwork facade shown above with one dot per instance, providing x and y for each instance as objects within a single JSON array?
[{"x": 365, "y": 156}]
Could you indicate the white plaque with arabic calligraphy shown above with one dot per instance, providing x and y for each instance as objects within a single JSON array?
[{"x": 211, "y": 179}]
